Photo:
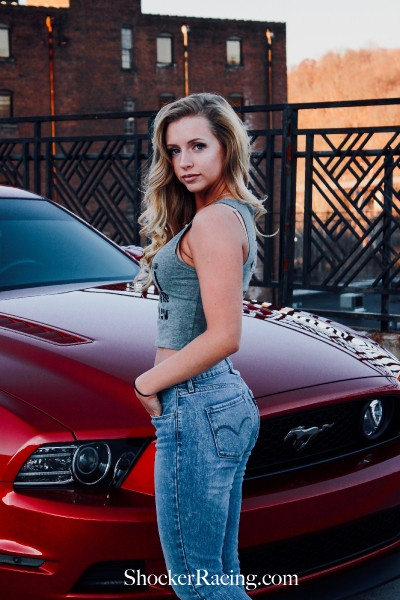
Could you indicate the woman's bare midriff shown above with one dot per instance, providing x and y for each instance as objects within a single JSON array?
[{"x": 163, "y": 354}]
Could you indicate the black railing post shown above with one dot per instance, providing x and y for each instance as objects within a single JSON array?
[
  {"x": 37, "y": 187},
  {"x": 150, "y": 129},
  {"x": 386, "y": 236},
  {"x": 49, "y": 171},
  {"x": 150, "y": 149},
  {"x": 308, "y": 193},
  {"x": 288, "y": 205},
  {"x": 25, "y": 165},
  {"x": 268, "y": 243},
  {"x": 137, "y": 191}
]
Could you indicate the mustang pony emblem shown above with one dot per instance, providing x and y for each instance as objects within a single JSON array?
[{"x": 302, "y": 436}]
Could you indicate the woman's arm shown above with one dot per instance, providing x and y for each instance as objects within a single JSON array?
[{"x": 215, "y": 241}]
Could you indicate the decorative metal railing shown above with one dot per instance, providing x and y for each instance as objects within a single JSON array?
[{"x": 333, "y": 194}]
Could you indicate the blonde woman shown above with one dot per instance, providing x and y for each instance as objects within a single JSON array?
[{"x": 200, "y": 218}]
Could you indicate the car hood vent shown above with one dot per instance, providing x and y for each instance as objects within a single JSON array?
[{"x": 41, "y": 331}]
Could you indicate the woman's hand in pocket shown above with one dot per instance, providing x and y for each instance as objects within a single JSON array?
[{"x": 151, "y": 404}]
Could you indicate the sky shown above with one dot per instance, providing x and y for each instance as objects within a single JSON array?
[{"x": 314, "y": 27}]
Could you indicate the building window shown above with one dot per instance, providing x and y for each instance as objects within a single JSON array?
[
  {"x": 236, "y": 99},
  {"x": 129, "y": 125},
  {"x": 4, "y": 41},
  {"x": 164, "y": 49},
  {"x": 126, "y": 48},
  {"x": 5, "y": 105},
  {"x": 165, "y": 98},
  {"x": 234, "y": 51}
]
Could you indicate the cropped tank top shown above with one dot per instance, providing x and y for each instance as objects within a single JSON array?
[{"x": 180, "y": 310}]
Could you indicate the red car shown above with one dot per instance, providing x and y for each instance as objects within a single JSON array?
[{"x": 321, "y": 498}]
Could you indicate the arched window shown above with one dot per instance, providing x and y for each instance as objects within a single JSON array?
[
  {"x": 5, "y": 104},
  {"x": 165, "y": 98},
  {"x": 4, "y": 41},
  {"x": 234, "y": 51},
  {"x": 164, "y": 49}
]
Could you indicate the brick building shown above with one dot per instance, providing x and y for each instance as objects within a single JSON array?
[{"x": 109, "y": 56}]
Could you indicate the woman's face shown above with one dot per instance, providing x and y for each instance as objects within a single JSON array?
[{"x": 197, "y": 155}]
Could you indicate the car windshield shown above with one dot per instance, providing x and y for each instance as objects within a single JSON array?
[{"x": 41, "y": 244}]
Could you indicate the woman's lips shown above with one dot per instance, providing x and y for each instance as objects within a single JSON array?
[{"x": 190, "y": 178}]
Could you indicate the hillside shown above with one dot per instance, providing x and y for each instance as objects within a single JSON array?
[{"x": 352, "y": 75}]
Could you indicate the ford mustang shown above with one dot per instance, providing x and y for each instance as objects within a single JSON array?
[{"x": 321, "y": 498}]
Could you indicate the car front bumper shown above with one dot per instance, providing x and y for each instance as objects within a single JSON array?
[{"x": 73, "y": 529}]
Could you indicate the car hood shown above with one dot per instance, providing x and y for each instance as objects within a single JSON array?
[{"x": 74, "y": 355}]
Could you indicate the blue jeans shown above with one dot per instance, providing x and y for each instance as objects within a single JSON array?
[{"x": 207, "y": 429}]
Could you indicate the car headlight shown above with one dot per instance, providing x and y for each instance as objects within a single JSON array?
[
  {"x": 91, "y": 463},
  {"x": 81, "y": 463},
  {"x": 376, "y": 416}
]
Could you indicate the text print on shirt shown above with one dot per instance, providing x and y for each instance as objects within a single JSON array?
[{"x": 163, "y": 299}]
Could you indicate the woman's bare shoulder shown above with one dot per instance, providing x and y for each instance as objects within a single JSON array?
[
  {"x": 214, "y": 215},
  {"x": 216, "y": 222}
]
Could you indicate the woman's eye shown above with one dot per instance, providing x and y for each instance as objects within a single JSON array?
[
  {"x": 174, "y": 151},
  {"x": 199, "y": 146}
]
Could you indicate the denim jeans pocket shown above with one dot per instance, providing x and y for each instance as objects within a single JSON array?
[
  {"x": 162, "y": 417},
  {"x": 231, "y": 425}
]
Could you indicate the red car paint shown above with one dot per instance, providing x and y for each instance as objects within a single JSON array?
[{"x": 82, "y": 390}]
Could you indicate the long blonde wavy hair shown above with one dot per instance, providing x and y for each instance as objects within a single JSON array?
[{"x": 168, "y": 204}]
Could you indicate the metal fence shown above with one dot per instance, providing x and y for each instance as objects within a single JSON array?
[{"x": 333, "y": 194}]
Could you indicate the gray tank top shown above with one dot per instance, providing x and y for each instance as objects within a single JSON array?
[{"x": 180, "y": 310}]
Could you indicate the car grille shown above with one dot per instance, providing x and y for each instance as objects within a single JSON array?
[
  {"x": 272, "y": 454},
  {"x": 316, "y": 551},
  {"x": 108, "y": 577}
]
